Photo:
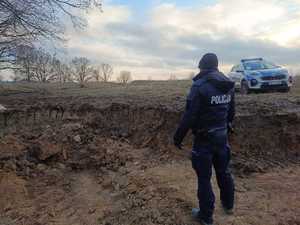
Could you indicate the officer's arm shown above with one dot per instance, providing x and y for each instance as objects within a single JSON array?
[
  {"x": 190, "y": 116},
  {"x": 231, "y": 112}
]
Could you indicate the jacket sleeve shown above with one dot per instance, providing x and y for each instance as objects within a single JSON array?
[
  {"x": 190, "y": 116},
  {"x": 231, "y": 111}
]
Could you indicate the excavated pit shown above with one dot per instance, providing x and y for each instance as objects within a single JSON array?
[
  {"x": 260, "y": 140},
  {"x": 115, "y": 164}
]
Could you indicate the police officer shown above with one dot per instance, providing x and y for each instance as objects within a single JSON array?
[{"x": 209, "y": 113}]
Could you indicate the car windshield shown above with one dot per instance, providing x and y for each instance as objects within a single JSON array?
[{"x": 259, "y": 65}]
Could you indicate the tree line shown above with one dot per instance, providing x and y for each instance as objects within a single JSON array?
[
  {"x": 24, "y": 23},
  {"x": 30, "y": 21},
  {"x": 32, "y": 64}
]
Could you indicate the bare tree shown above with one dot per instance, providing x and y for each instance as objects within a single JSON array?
[
  {"x": 25, "y": 21},
  {"x": 60, "y": 71},
  {"x": 39, "y": 65},
  {"x": 124, "y": 77},
  {"x": 106, "y": 72},
  {"x": 96, "y": 73},
  {"x": 25, "y": 61},
  {"x": 82, "y": 70},
  {"x": 172, "y": 77},
  {"x": 34, "y": 64},
  {"x": 43, "y": 69},
  {"x": 56, "y": 68},
  {"x": 66, "y": 73}
]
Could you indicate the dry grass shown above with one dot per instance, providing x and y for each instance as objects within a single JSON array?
[{"x": 94, "y": 89}]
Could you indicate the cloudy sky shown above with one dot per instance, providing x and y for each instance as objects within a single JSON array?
[{"x": 154, "y": 38}]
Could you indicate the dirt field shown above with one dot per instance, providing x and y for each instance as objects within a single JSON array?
[{"x": 103, "y": 155}]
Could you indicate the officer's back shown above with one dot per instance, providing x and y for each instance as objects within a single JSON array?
[
  {"x": 210, "y": 103},
  {"x": 209, "y": 112}
]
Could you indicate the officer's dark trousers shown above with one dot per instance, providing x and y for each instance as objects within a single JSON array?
[{"x": 206, "y": 154}]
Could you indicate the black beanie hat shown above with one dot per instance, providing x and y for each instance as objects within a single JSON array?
[{"x": 209, "y": 61}]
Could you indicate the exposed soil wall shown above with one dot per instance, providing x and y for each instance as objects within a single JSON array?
[
  {"x": 66, "y": 164},
  {"x": 260, "y": 140}
]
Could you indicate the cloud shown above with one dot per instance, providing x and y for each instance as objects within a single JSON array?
[
  {"x": 172, "y": 38},
  {"x": 246, "y": 18}
]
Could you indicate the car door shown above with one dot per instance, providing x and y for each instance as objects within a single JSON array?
[
  {"x": 239, "y": 75},
  {"x": 234, "y": 76},
  {"x": 231, "y": 73}
]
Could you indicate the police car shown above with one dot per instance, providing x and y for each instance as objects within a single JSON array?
[{"x": 258, "y": 75}]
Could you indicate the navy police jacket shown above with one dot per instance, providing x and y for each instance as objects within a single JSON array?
[{"x": 210, "y": 104}]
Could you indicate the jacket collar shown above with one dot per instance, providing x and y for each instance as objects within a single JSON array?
[{"x": 204, "y": 73}]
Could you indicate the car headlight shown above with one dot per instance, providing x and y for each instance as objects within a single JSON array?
[{"x": 285, "y": 72}]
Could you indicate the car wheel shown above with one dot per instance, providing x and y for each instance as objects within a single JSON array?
[{"x": 244, "y": 88}]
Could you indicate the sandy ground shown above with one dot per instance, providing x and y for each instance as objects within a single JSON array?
[{"x": 163, "y": 194}]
